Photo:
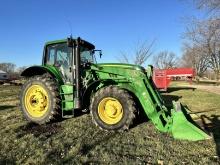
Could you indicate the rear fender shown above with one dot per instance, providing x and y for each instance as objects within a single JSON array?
[{"x": 39, "y": 70}]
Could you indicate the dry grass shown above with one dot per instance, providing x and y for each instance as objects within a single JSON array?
[{"x": 78, "y": 141}]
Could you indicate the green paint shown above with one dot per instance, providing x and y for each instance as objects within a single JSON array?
[
  {"x": 55, "y": 72},
  {"x": 138, "y": 81},
  {"x": 66, "y": 92},
  {"x": 56, "y": 42},
  {"x": 181, "y": 128}
]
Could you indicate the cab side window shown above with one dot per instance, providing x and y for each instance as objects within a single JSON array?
[
  {"x": 60, "y": 56},
  {"x": 51, "y": 56}
]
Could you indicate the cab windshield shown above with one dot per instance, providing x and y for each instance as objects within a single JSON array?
[{"x": 87, "y": 55}]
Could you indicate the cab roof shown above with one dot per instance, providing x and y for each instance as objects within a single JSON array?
[{"x": 88, "y": 44}]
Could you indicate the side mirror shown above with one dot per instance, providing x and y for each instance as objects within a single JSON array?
[{"x": 100, "y": 52}]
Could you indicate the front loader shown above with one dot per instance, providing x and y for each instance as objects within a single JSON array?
[{"x": 70, "y": 80}]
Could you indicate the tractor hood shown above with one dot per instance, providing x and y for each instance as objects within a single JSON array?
[
  {"x": 118, "y": 70},
  {"x": 119, "y": 67}
]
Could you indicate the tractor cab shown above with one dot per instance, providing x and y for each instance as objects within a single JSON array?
[{"x": 64, "y": 55}]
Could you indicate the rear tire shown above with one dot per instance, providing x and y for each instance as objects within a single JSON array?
[
  {"x": 112, "y": 108},
  {"x": 40, "y": 99}
]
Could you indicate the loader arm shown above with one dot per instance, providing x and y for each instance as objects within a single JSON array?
[{"x": 175, "y": 120}]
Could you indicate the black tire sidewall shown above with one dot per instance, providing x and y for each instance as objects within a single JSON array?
[
  {"x": 46, "y": 116},
  {"x": 126, "y": 111}
]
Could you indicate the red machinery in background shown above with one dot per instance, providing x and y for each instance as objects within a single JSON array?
[{"x": 163, "y": 77}]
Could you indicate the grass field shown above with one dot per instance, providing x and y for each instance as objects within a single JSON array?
[{"x": 78, "y": 141}]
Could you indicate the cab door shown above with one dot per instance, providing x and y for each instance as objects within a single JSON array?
[{"x": 60, "y": 56}]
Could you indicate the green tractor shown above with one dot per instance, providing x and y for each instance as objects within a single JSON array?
[{"x": 70, "y": 80}]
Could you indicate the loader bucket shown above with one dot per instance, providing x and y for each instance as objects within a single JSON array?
[{"x": 183, "y": 127}]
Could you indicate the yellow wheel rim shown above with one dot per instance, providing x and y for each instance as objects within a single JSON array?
[
  {"x": 36, "y": 101},
  {"x": 110, "y": 110}
]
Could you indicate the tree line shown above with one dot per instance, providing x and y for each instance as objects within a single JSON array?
[
  {"x": 201, "y": 44},
  {"x": 11, "y": 69},
  {"x": 202, "y": 39}
]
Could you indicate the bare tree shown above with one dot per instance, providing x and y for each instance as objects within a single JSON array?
[
  {"x": 123, "y": 58},
  {"x": 195, "y": 58},
  {"x": 142, "y": 52},
  {"x": 205, "y": 36},
  {"x": 212, "y": 6},
  {"x": 213, "y": 44},
  {"x": 165, "y": 60},
  {"x": 7, "y": 67}
]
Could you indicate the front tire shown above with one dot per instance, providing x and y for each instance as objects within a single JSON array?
[
  {"x": 40, "y": 102},
  {"x": 112, "y": 108}
]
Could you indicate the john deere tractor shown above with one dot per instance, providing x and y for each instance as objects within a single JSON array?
[{"x": 70, "y": 80}]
